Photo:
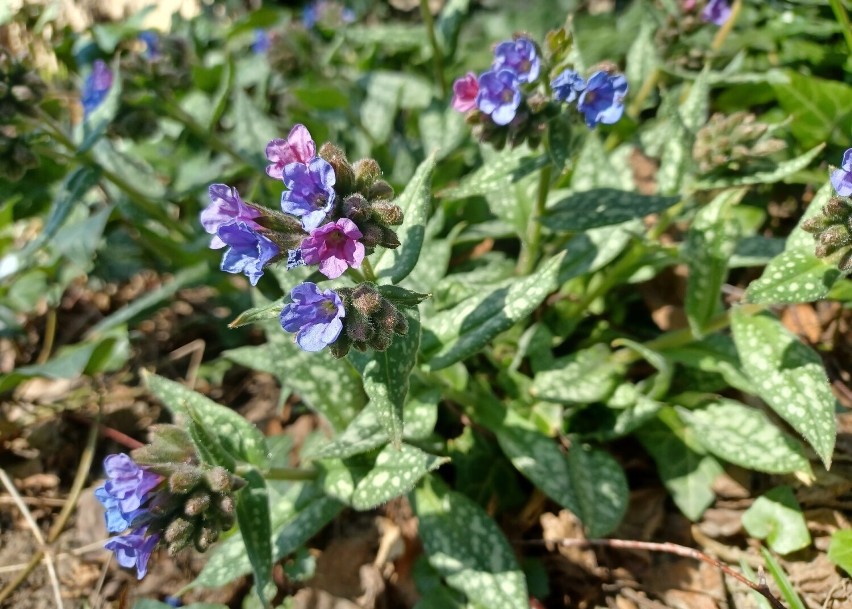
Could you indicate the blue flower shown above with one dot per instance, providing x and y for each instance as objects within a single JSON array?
[
  {"x": 249, "y": 251},
  {"x": 96, "y": 87},
  {"x": 315, "y": 316},
  {"x": 518, "y": 56},
  {"x": 841, "y": 178},
  {"x": 567, "y": 86},
  {"x": 716, "y": 11},
  {"x": 125, "y": 491},
  {"x": 499, "y": 95},
  {"x": 134, "y": 550},
  {"x": 152, "y": 44},
  {"x": 226, "y": 207},
  {"x": 261, "y": 41},
  {"x": 602, "y": 101},
  {"x": 311, "y": 194},
  {"x": 294, "y": 259}
]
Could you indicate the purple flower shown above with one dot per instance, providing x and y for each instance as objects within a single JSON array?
[
  {"x": 96, "y": 87},
  {"x": 249, "y": 251},
  {"x": 520, "y": 57},
  {"x": 335, "y": 247},
  {"x": 297, "y": 148},
  {"x": 125, "y": 491},
  {"x": 133, "y": 550},
  {"x": 603, "y": 99},
  {"x": 464, "y": 92},
  {"x": 499, "y": 95},
  {"x": 261, "y": 41},
  {"x": 151, "y": 40},
  {"x": 315, "y": 316},
  {"x": 716, "y": 11},
  {"x": 567, "y": 86},
  {"x": 841, "y": 178},
  {"x": 226, "y": 207},
  {"x": 311, "y": 194}
]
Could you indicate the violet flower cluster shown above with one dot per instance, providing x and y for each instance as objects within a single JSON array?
[
  {"x": 332, "y": 214},
  {"x": 832, "y": 228},
  {"x": 600, "y": 99},
  {"x": 96, "y": 87}
]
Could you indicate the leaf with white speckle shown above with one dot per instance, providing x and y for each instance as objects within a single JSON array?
[
  {"x": 602, "y": 207},
  {"x": 583, "y": 377},
  {"x": 498, "y": 172},
  {"x": 468, "y": 327},
  {"x": 415, "y": 202},
  {"x": 770, "y": 176},
  {"x": 746, "y": 437},
  {"x": 709, "y": 245},
  {"x": 466, "y": 547},
  {"x": 255, "y": 526},
  {"x": 395, "y": 472},
  {"x": 385, "y": 375},
  {"x": 789, "y": 376},
  {"x": 588, "y": 482},
  {"x": 235, "y": 434}
]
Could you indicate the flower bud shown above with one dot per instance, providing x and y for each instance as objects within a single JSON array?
[
  {"x": 340, "y": 347},
  {"x": 845, "y": 263},
  {"x": 381, "y": 341},
  {"x": 197, "y": 504},
  {"x": 371, "y": 235},
  {"x": 179, "y": 531},
  {"x": 380, "y": 190},
  {"x": 389, "y": 238},
  {"x": 205, "y": 537},
  {"x": 344, "y": 182},
  {"x": 832, "y": 239},
  {"x": 387, "y": 213},
  {"x": 184, "y": 479},
  {"x": 366, "y": 299},
  {"x": 218, "y": 479},
  {"x": 366, "y": 172},
  {"x": 356, "y": 208},
  {"x": 358, "y": 327},
  {"x": 226, "y": 506},
  {"x": 837, "y": 209},
  {"x": 817, "y": 224}
]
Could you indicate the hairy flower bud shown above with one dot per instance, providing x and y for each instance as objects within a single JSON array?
[
  {"x": 356, "y": 208},
  {"x": 340, "y": 347},
  {"x": 387, "y": 213},
  {"x": 205, "y": 537},
  {"x": 832, "y": 239},
  {"x": 358, "y": 327},
  {"x": 344, "y": 176},
  {"x": 184, "y": 479},
  {"x": 366, "y": 172},
  {"x": 366, "y": 299},
  {"x": 197, "y": 504},
  {"x": 179, "y": 531},
  {"x": 380, "y": 191},
  {"x": 218, "y": 479},
  {"x": 381, "y": 341},
  {"x": 226, "y": 506}
]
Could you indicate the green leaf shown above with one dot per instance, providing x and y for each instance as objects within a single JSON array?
[
  {"x": 709, "y": 245},
  {"x": 840, "y": 549},
  {"x": 255, "y": 526},
  {"x": 395, "y": 472},
  {"x": 235, "y": 434},
  {"x": 777, "y": 573},
  {"x": 781, "y": 171},
  {"x": 593, "y": 249},
  {"x": 467, "y": 548},
  {"x": 746, "y": 437},
  {"x": 793, "y": 276},
  {"x": 415, "y": 202},
  {"x": 642, "y": 58},
  {"x": 467, "y": 328},
  {"x": 694, "y": 109},
  {"x": 715, "y": 353},
  {"x": 602, "y": 207},
  {"x": 583, "y": 377},
  {"x": 258, "y": 314},
  {"x": 687, "y": 473},
  {"x": 497, "y": 173},
  {"x": 821, "y": 110},
  {"x": 385, "y": 375},
  {"x": 789, "y": 376},
  {"x": 207, "y": 444},
  {"x": 588, "y": 482},
  {"x": 252, "y": 127},
  {"x": 401, "y": 296},
  {"x": 777, "y": 517}
]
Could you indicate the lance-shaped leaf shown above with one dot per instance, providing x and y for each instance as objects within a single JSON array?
[
  {"x": 746, "y": 437},
  {"x": 583, "y": 377},
  {"x": 234, "y": 433},
  {"x": 588, "y": 482},
  {"x": 467, "y": 328},
  {"x": 467, "y": 548},
  {"x": 385, "y": 375},
  {"x": 789, "y": 376},
  {"x": 770, "y": 176},
  {"x": 602, "y": 207},
  {"x": 395, "y": 472},
  {"x": 415, "y": 202},
  {"x": 498, "y": 172},
  {"x": 709, "y": 245},
  {"x": 255, "y": 526}
]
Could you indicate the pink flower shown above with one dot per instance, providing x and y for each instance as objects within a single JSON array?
[
  {"x": 335, "y": 247},
  {"x": 297, "y": 148},
  {"x": 688, "y": 5},
  {"x": 464, "y": 92}
]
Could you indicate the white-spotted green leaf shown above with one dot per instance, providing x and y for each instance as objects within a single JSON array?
[
  {"x": 709, "y": 245},
  {"x": 235, "y": 434},
  {"x": 256, "y": 528},
  {"x": 442, "y": 129},
  {"x": 602, "y": 207},
  {"x": 499, "y": 170},
  {"x": 746, "y": 437},
  {"x": 385, "y": 375},
  {"x": 296, "y": 516},
  {"x": 642, "y": 57},
  {"x": 789, "y": 376},
  {"x": 468, "y": 549},
  {"x": 395, "y": 472},
  {"x": 793, "y": 276},
  {"x": 715, "y": 353},
  {"x": 468, "y": 327},
  {"x": 799, "y": 238},
  {"x": 686, "y": 471},
  {"x": 594, "y": 169},
  {"x": 777, "y": 517},
  {"x": 781, "y": 171},
  {"x": 694, "y": 109},
  {"x": 207, "y": 444},
  {"x": 586, "y": 481},
  {"x": 580, "y": 378},
  {"x": 415, "y": 202},
  {"x": 595, "y": 248}
]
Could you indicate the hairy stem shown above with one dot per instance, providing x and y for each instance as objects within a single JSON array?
[
  {"x": 367, "y": 269},
  {"x": 531, "y": 245}
]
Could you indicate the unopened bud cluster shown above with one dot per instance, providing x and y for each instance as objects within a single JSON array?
[
  {"x": 832, "y": 232},
  {"x": 371, "y": 321},
  {"x": 734, "y": 142}
]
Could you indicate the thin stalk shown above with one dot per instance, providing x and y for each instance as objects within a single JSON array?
[
  {"x": 843, "y": 19},
  {"x": 722, "y": 34},
  {"x": 437, "y": 55},
  {"x": 49, "y": 336},
  {"x": 367, "y": 269},
  {"x": 613, "y": 275},
  {"x": 531, "y": 246},
  {"x": 290, "y": 473},
  {"x": 636, "y": 105}
]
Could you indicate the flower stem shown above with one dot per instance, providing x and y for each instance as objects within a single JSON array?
[
  {"x": 367, "y": 269},
  {"x": 437, "y": 55},
  {"x": 722, "y": 34},
  {"x": 290, "y": 473},
  {"x": 531, "y": 245},
  {"x": 843, "y": 19}
]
